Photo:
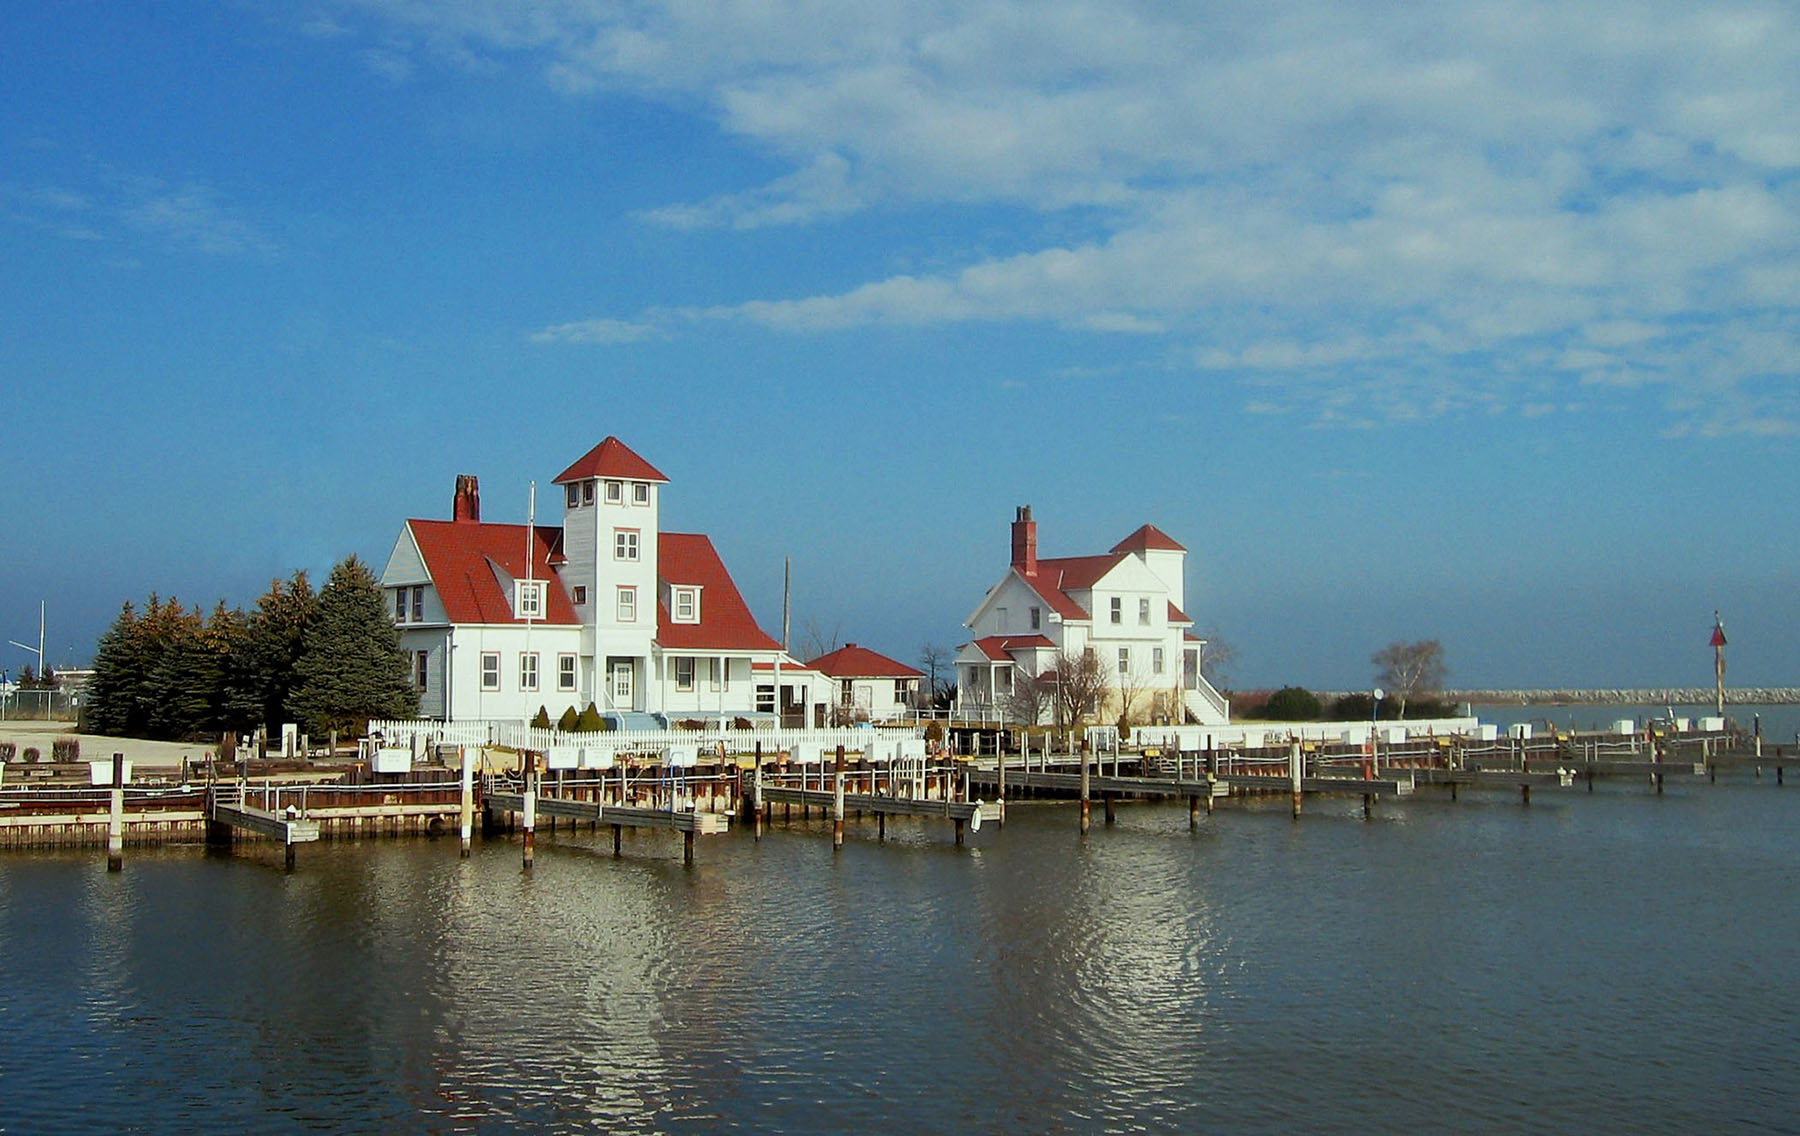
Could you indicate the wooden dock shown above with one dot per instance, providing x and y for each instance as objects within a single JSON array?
[
  {"x": 228, "y": 809},
  {"x": 963, "y": 814},
  {"x": 531, "y": 805}
]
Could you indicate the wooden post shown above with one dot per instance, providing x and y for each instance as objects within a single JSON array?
[
  {"x": 687, "y": 847},
  {"x": 618, "y": 839},
  {"x": 1107, "y": 799},
  {"x": 529, "y": 820},
  {"x": 1294, "y": 774},
  {"x": 1194, "y": 810},
  {"x": 1525, "y": 793},
  {"x": 115, "y": 820},
  {"x": 837, "y": 801},
  {"x": 1001, "y": 790},
  {"x": 1368, "y": 805},
  {"x": 468, "y": 800},
  {"x": 959, "y": 822},
  {"x": 756, "y": 793},
  {"x": 288, "y": 858},
  {"x": 1085, "y": 820},
  {"x": 881, "y": 826}
]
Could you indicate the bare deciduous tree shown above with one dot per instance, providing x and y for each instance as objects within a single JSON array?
[
  {"x": 1027, "y": 700},
  {"x": 815, "y": 640},
  {"x": 1077, "y": 684},
  {"x": 1216, "y": 656},
  {"x": 932, "y": 657},
  {"x": 1407, "y": 669}
]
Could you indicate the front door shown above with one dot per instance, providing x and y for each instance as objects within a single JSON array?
[{"x": 622, "y": 670}]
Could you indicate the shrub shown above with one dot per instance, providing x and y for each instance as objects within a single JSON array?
[
  {"x": 741, "y": 724},
  {"x": 590, "y": 721},
  {"x": 569, "y": 722},
  {"x": 934, "y": 732},
  {"x": 8, "y": 751},
  {"x": 65, "y": 749},
  {"x": 690, "y": 724},
  {"x": 542, "y": 720},
  {"x": 1292, "y": 704},
  {"x": 32, "y": 754}
]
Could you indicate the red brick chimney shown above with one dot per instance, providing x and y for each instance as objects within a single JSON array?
[
  {"x": 467, "y": 504},
  {"x": 1024, "y": 541}
]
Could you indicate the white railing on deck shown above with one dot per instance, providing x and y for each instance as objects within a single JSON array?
[{"x": 517, "y": 735}]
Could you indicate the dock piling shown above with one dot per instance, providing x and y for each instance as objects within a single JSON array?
[
  {"x": 1294, "y": 774},
  {"x": 837, "y": 801},
  {"x": 115, "y": 820},
  {"x": 468, "y": 801},
  {"x": 528, "y": 818},
  {"x": 1086, "y": 820}
]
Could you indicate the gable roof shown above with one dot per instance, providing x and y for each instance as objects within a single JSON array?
[
  {"x": 1146, "y": 538},
  {"x": 725, "y": 620},
  {"x": 999, "y": 647},
  {"x": 462, "y": 558},
  {"x": 851, "y": 661},
  {"x": 611, "y": 458},
  {"x": 1055, "y": 578}
]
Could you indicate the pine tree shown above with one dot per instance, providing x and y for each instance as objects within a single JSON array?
[
  {"x": 118, "y": 671},
  {"x": 176, "y": 698},
  {"x": 351, "y": 668},
  {"x": 277, "y": 639},
  {"x": 237, "y": 695}
]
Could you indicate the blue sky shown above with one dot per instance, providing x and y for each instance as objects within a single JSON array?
[{"x": 1479, "y": 324}]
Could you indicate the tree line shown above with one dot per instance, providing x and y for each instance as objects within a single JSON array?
[{"x": 327, "y": 660}]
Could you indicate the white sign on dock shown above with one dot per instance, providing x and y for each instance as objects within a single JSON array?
[
  {"x": 391, "y": 759},
  {"x": 100, "y": 772}
]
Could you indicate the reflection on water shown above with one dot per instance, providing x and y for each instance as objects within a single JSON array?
[{"x": 1611, "y": 960}]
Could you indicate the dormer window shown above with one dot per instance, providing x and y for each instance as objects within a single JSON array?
[
  {"x": 685, "y": 606},
  {"x": 615, "y": 492},
  {"x": 587, "y": 493},
  {"x": 528, "y": 599},
  {"x": 640, "y": 493},
  {"x": 573, "y": 495}
]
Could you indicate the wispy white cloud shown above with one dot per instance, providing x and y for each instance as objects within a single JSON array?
[
  {"x": 1431, "y": 209},
  {"x": 597, "y": 331},
  {"x": 112, "y": 204}
]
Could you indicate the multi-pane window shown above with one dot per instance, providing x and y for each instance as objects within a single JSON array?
[
  {"x": 565, "y": 672},
  {"x": 1124, "y": 660},
  {"x": 1144, "y": 612},
  {"x": 528, "y": 670},
  {"x": 625, "y": 544},
  {"x": 574, "y": 494},
  {"x": 765, "y": 699},
  {"x": 529, "y": 598},
  {"x": 640, "y": 493},
  {"x": 418, "y": 603},
  {"x": 580, "y": 594},
  {"x": 684, "y": 672},
  {"x": 1037, "y": 618},
  {"x": 490, "y": 670},
  {"x": 687, "y": 605},
  {"x": 627, "y": 608},
  {"x": 587, "y": 493},
  {"x": 902, "y": 691},
  {"x": 1156, "y": 660},
  {"x": 399, "y": 605},
  {"x": 1118, "y": 610}
]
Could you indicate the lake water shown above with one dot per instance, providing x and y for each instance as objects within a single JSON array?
[{"x": 1605, "y": 961}]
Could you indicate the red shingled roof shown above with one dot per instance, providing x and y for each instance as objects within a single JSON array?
[
  {"x": 996, "y": 647},
  {"x": 725, "y": 620},
  {"x": 1176, "y": 615},
  {"x": 461, "y": 555},
  {"x": 1146, "y": 538},
  {"x": 611, "y": 458},
  {"x": 1055, "y": 578},
  {"x": 851, "y": 661}
]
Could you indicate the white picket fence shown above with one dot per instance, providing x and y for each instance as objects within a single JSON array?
[{"x": 518, "y": 735}]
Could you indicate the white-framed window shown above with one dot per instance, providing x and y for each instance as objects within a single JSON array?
[
  {"x": 528, "y": 598},
  {"x": 686, "y": 605},
  {"x": 565, "y": 672},
  {"x": 581, "y": 594},
  {"x": 528, "y": 670},
  {"x": 640, "y": 493},
  {"x": 1156, "y": 660},
  {"x": 903, "y": 692},
  {"x": 421, "y": 669},
  {"x": 1037, "y": 618},
  {"x": 625, "y": 544},
  {"x": 490, "y": 670},
  {"x": 418, "y": 603},
  {"x": 717, "y": 677},
  {"x": 1124, "y": 660},
  {"x": 1003, "y": 680},
  {"x": 1143, "y": 612},
  {"x": 684, "y": 672},
  {"x": 587, "y": 493},
  {"x": 627, "y": 605},
  {"x": 399, "y": 605},
  {"x": 615, "y": 492},
  {"x": 1118, "y": 610},
  {"x": 573, "y": 489},
  {"x": 765, "y": 698}
]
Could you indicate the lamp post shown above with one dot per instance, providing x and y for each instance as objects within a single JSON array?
[{"x": 1374, "y": 716}]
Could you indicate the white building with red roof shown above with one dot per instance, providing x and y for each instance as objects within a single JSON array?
[
  {"x": 870, "y": 687},
  {"x": 1126, "y": 606},
  {"x": 606, "y": 609}
]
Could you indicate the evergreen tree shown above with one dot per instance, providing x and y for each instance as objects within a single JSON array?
[
  {"x": 237, "y": 693},
  {"x": 276, "y": 641},
  {"x": 176, "y": 698},
  {"x": 118, "y": 671},
  {"x": 351, "y": 668}
]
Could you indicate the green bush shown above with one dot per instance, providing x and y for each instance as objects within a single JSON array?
[
  {"x": 590, "y": 721},
  {"x": 1292, "y": 704},
  {"x": 569, "y": 722},
  {"x": 542, "y": 720}
]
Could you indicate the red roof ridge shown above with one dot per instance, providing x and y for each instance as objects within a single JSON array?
[{"x": 1147, "y": 537}]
